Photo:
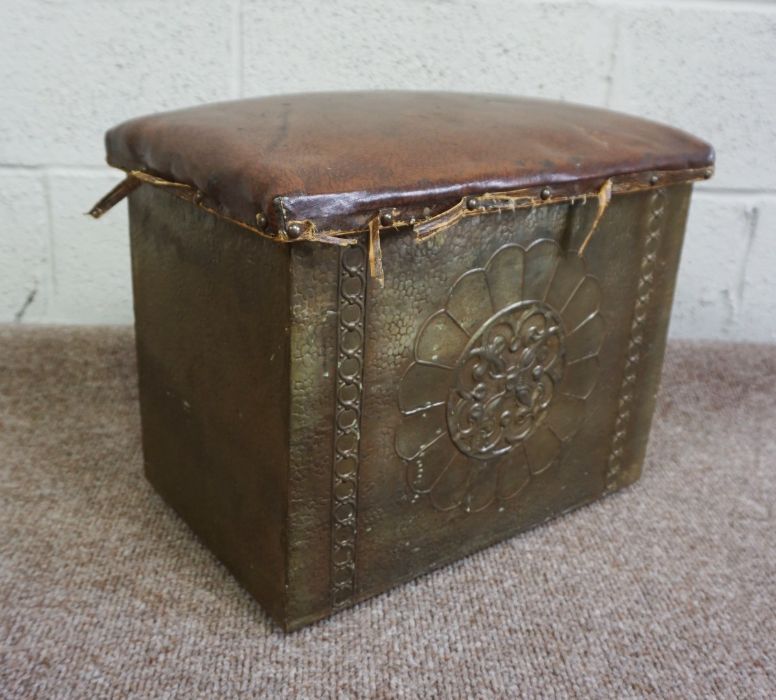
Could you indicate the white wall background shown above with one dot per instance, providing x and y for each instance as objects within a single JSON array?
[{"x": 70, "y": 69}]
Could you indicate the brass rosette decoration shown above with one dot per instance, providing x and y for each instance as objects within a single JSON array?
[{"x": 500, "y": 377}]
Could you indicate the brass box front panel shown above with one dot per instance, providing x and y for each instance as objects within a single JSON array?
[{"x": 506, "y": 378}]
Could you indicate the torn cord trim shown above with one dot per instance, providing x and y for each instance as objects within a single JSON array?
[{"x": 424, "y": 229}]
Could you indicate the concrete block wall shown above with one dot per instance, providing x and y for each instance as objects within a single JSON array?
[{"x": 71, "y": 68}]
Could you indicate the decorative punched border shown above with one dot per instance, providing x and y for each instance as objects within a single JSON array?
[
  {"x": 347, "y": 422},
  {"x": 656, "y": 209}
]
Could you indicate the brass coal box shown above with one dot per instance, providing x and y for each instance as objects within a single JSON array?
[{"x": 379, "y": 331}]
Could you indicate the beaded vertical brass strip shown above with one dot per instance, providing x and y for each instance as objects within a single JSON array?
[
  {"x": 347, "y": 422},
  {"x": 656, "y": 208}
]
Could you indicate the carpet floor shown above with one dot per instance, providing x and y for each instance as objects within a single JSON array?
[{"x": 667, "y": 589}]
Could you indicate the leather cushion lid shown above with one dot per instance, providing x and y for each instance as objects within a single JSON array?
[{"x": 335, "y": 158}]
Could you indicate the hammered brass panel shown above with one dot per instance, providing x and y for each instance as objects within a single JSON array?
[
  {"x": 313, "y": 305},
  {"x": 478, "y": 429},
  {"x": 440, "y": 477}
]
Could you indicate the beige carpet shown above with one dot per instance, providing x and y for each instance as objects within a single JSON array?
[{"x": 665, "y": 590}]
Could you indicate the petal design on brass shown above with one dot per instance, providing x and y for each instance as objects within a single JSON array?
[
  {"x": 424, "y": 471},
  {"x": 580, "y": 377},
  {"x": 418, "y": 430},
  {"x": 440, "y": 341},
  {"x": 541, "y": 259},
  {"x": 423, "y": 386},
  {"x": 570, "y": 272},
  {"x": 452, "y": 487},
  {"x": 482, "y": 487},
  {"x": 505, "y": 276},
  {"x": 541, "y": 273},
  {"x": 469, "y": 302},
  {"x": 542, "y": 449},
  {"x": 565, "y": 416},
  {"x": 513, "y": 474},
  {"x": 584, "y": 302},
  {"x": 586, "y": 340}
]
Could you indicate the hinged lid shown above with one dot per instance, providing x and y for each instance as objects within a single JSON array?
[{"x": 318, "y": 166}]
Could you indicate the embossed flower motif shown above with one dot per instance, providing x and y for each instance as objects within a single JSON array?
[{"x": 500, "y": 377}]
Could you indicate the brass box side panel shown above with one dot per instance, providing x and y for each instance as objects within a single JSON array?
[
  {"x": 211, "y": 310},
  {"x": 407, "y": 523}
]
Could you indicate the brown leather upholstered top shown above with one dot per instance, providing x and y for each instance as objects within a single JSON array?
[{"x": 337, "y": 158}]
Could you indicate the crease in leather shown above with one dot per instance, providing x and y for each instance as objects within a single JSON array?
[{"x": 425, "y": 228}]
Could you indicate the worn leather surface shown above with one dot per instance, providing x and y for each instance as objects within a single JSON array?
[{"x": 332, "y": 157}]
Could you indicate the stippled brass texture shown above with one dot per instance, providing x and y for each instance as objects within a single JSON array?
[
  {"x": 329, "y": 438},
  {"x": 495, "y": 358},
  {"x": 499, "y": 376}
]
